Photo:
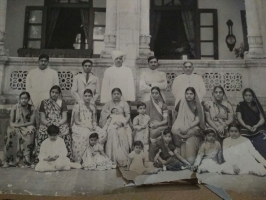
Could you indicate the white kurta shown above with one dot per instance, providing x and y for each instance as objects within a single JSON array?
[
  {"x": 182, "y": 82},
  {"x": 155, "y": 78},
  {"x": 118, "y": 77},
  {"x": 39, "y": 82},
  {"x": 52, "y": 149}
]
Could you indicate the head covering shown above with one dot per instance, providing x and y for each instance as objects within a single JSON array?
[
  {"x": 43, "y": 56},
  {"x": 160, "y": 95},
  {"x": 116, "y": 53},
  {"x": 255, "y": 100}
]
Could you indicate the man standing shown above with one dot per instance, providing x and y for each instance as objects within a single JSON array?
[
  {"x": 39, "y": 81},
  {"x": 118, "y": 76},
  {"x": 182, "y": 82},
  {"x": 84, "y": 81},
  {"x": 151, "y": 78}
]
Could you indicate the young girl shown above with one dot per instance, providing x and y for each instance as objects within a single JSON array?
[
  {"x": 141, "y": 126},
  {"x": 209, "y": 156},
  {"x": 240, "y": 155},
  {"x": 94, "y": 157},
  {"x": 169, "y": 156},
  {"x": 53, "y": 153},
  {"x": 137, "y": 160}
]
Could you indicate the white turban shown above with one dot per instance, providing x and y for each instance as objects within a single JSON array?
[{"x": 115, "y": 54}]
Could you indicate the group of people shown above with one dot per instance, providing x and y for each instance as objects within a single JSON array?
[{"x": 205, "y": 135}]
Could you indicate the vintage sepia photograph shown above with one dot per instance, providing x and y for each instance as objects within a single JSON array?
[{"x": 103, "y": 96}]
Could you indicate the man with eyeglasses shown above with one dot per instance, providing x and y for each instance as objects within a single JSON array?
[
  {"x": 40, "y": 80},
  {"x": 185, "y": 80},
  {"x": 84, "y": 81},
  {"x": 118, "y": 76}
]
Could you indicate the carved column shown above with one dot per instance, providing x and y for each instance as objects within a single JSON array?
[
  {"x": 254, "y": 30},
  {"x": 110, "y": 29},
  {"x": 3, "y": 7},
  {"x": 145, "y": 37}
]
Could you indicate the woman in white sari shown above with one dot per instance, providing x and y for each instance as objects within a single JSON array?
[
  {"x": 189, "y": 125},
  {"x": 119, "y": 138},
  {"x": 84, "y": 123}
]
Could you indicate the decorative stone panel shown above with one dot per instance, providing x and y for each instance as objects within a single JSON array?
[
  {"x": 18, "y": 80},
  {"x": 170, "y": 77},
  {"x": 211, "y": 80}
]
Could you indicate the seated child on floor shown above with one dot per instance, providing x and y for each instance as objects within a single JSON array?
[
  {"x": 209, "y": 155},
  {"x": 141, "y": 126},
  {"x": 169, "y": 156},
  {"x": 94, "y": 157},
  {"x": 240, "y": 155},
  {"x": 136, "y": 160},
  {"x": 53, "y": 153}
]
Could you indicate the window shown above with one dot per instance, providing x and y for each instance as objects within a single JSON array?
[
  {"x": 47, "y": 28},
  {"x": 34, "y": 28},
  {"x": 179, "y": 28}
]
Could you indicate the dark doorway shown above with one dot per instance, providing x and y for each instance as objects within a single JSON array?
[{"x": 66, "y": 25}]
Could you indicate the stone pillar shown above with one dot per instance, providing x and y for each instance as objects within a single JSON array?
[
  {"x": 3, "y": 7},
  {"x": 145, "y": 37},
  {"x": 254, "y": 30},
  {"x": 128, "y": 29},
  {"x": 110, "y": 28}
]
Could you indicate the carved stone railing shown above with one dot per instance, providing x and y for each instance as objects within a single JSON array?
[
  {"x": 234, "y": 76},
  {"x": 56, "y": 53}
]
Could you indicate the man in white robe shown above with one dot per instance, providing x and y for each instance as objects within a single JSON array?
[
  {"x": 40, "y": 80},
  {"x": 118, "y": 76},
  {"x": 84, "y": 81},
  {"x": 151, "y": 78},
  {"x": 188, "y": 79}
]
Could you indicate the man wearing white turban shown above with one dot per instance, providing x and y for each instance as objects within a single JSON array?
[{"x": 118, "y": 76}]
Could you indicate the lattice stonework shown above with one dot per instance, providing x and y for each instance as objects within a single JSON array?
[
  {"x": 65, "y": 80},
  {"x": 211, "y": 80},
  {"x": 170, "y": 76},
  {"x": 232, "y": 82},
  {"x": 18, "y": 80}
]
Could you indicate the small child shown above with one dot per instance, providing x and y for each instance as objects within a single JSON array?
[
  {"x": 141, "y": 126},
  {"x": 169, "y": 156},
  {"x": 53, "y": 153},
  {"x": 209, "y": 155},
  {"x": 240, "y": 155},
  {"x": 116, "y": 120},
  {"x": 136, "y": 160},
  {"x": 94, "y": 157}
]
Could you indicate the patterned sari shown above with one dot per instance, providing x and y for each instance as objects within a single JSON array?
[
  {"x": 81, "y": 133},
  {"x": 119, "y": 139},
  {"x": 53, "y": 113},
  {"x": 157, "y": 112},
  {"x": 219, "y": 112},
  {"x": 19, "y": 142}
]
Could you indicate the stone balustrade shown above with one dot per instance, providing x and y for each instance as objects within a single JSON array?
[{"x": 233, "y": 75}]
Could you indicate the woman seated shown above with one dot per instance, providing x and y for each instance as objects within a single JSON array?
[
  {"x": 240, "y": 155},
  {"x": 189, "y": 125},
  {"x": 156, "y": 108},
  {"x": 119, "y": 137},
  {"x": 251, "y": 117},
  {"x": 219, "y": 112},
  {"x": 19, "y": 140},
  {"x": 53, "y": 111},
  {"x": 84, "y": 122}
]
